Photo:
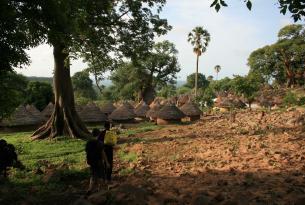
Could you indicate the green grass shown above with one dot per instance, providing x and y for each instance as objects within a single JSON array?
[
  {"x": 39, "y": 155},
  {"x": 68, "y": 153}
]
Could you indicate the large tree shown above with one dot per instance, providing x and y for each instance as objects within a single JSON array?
[
  {"x": 69, "y": 26},
  {"x": 199, "y": 38},
  {"x": 145, "y": 75},
  {"x": 282, "y": 61}
]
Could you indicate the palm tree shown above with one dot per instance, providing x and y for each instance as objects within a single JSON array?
[
  {"x": 200, "y": 39},
  {"x": 217, "y": 69}
]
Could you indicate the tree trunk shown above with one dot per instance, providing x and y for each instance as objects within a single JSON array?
[
  {"x": 64, "y": 119},
  {"x": 196, "y": 76}
]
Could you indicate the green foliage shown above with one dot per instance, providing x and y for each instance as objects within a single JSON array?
[
  {"x": 222, "y": 85},
  {"x": 301, "y": 101},
  {"x": 82, "y": 85},
  {"x": 38, "y": 155},
  {"x": 247, "y": 86},
  {"x": 13, "y": 92},
  {"x": 183, "y": 90},
  {"x": 39, "y": 94},
  {"x": 206, "y": 97},
  {"x": 202, "y": 81},
  {"x": 283, "y": 61},
  {"x": 290, "y": 99},
  {"x": 199, "y": 38},
  {"x": 167, "y": 91},
  {"x": 155, "y": 70}
]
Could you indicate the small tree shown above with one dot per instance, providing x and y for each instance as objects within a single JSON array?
[
  {"x": 202, "y": 81},
  {"x": 200, "y": 39},
  {"x": 217, "y": 69},
  {"x": 246, "y": 87}
]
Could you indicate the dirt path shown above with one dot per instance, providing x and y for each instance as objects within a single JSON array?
[{"x": 214, "y": 161}]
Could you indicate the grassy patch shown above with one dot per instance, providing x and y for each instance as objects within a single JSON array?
[
  {"x": 40, "y": 155},
  {"x": 126, "y": 171},
  {"x": 127, "y": 156},
  {"x": 140, "y": 128}
]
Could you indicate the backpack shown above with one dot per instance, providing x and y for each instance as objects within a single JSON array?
[{"x": 110, "y": 138}]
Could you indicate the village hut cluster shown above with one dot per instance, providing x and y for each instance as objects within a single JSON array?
[{"x": 159, "y": 111}]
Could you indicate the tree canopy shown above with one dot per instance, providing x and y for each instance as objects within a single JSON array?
[
  {"x": 13, "y": 92},
  {"x": 202, "y": 81},
  {"x": 158, "y": 68},
  {"x": 39, "y": 94},
  {"x": 282, "y": 61},
  {"x": 83, "y": 85}
]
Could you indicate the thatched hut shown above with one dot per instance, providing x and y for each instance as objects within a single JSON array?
[
  {"x": 191, "y": 111},
  {"x": 92, "y": 114},
  {"x": 154, "y": 109},
  {"x": 128, "y": 106},
  {"x": 122, "y": 114},
  {"x": 107, "y": 108},
  {"x": 169, "y": 114},
  {"x": 35, "y": 113},
  {"x": 48, "y": 110},
  {"x": 79, "y": 108},
  {"x": 21, "y": 117},
  {"x": 141, "y": 110}
]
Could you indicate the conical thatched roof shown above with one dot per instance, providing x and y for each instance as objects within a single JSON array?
[
  {"x": 48, "y": 110},
  {"x": 128, "y": 105},
  {"x": 107, "y": 108},
  {"x": 170, "y": 112},
  {"x": 91, "y": 113},
  {"x": 35, "y": 112},
  {"x": 122, "y": 113},
  {"x": 20, "y": 117},
  {"x": 190, "y": 109},
  {"x": 154, "y": 109},
  {"x": 141, "y": 109}
]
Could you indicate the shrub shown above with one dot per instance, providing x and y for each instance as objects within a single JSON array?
[
  {"x": 290, "y": 99},
  {"x": 301, "y": 101}
]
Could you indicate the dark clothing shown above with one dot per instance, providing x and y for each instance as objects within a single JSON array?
[
  {"x": 94, "y": 151},
  {"x": 108, "y": 149},
  {"x": 109, "y": 153}
]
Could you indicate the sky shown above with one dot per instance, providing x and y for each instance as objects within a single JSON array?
[{"x": 235, "y": 33}]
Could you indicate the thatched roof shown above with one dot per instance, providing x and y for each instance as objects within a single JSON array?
[
  {"x": 190, "y": 109},
  {"x": 107, "y": 108},
  {"x": 20, "y": 117},
  {"x": 48, "y": 110},
  {"x": 170, "y": 112},
  {"x": 141, "y": 109},
  {"x": 79, "y": 108},
  {"x": 128, "y": 105},
  {"x": 154, "y": 109},
  {"x": 122, "y": 113},
  {"x": 35, "y": 112},
  {"x": 230, "y": 103},
  {"x": 91, "y": 113}
]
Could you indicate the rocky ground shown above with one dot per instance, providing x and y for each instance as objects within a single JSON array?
[{"x": 254, "y": 160}]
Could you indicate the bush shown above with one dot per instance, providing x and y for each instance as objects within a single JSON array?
[
  {"x": 301, "y": 101},
  {"x": 290, "y": 99}
]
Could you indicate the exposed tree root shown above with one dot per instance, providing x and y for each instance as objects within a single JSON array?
[{"x": 63, "y": 121}]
